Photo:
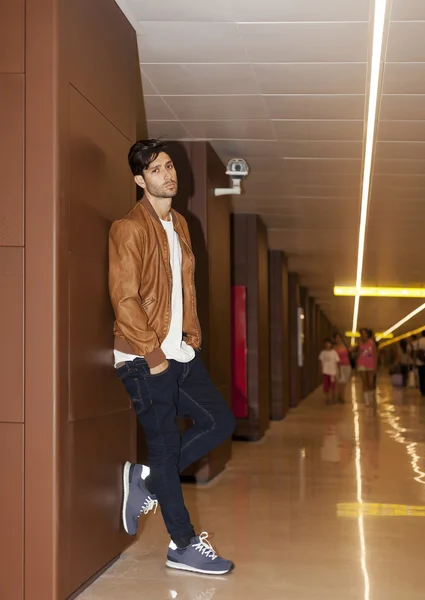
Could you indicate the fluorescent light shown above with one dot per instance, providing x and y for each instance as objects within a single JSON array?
[
  {"x": 356, "y": 334},
  {"x": 406, "y": 318},
  {"x": 375, "y": 72},
  {"x": 402, "y": 337},
  {"x": 380, "y": 292}
]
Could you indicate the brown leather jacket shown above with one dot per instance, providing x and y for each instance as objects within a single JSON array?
[{"x": 140, "y": 282}]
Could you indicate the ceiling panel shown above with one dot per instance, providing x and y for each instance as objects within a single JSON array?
[
  {"x": 183, "y": 10},
  {"x": 314, "y": 78},
  {"x": 218, "y": 107},
  {"x": 173, "y": 79},
  {"x": 408, "y": 10},
  {"x": 404, "y": 78},
  {"x": 248, "y": 149},
  {"x": 327, "y": 42},
  {"x": 169, "y": 130},
  {"x": 398, "y": 166},
  {"x": 302, "y": 10},
  {"x": 324, "y": 130},
  {"x": 401, "y": 131},
  {"x": 156, "y": 109},
  {"x": 403, "y": 150},
  {"x": 234, "y": 130},
  {"x": 214, "y": 42},
  {"x": 315, "y": 107},
  {"x": 321, "y": 149},
  {"x": 405, "y": 42},
  {"x": 403, "y": 107}
]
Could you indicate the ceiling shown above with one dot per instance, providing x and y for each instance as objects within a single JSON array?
[{"x": 283, "y": 84}]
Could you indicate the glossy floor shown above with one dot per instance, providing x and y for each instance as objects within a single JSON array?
[{"x": 328, "y": 506}]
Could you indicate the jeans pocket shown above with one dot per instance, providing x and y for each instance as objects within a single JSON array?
[{"x": 137, "y": 389}]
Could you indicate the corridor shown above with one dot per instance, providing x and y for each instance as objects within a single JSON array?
[{"x": 326, "y": 507}]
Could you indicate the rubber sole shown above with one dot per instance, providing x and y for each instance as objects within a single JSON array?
[
  {"x": 126, "y": 492},
  {"x": 181, "y": 567}
]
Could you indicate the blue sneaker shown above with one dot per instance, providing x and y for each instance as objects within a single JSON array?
[
  {"x": 136, "y": 497},
  {"x": 198, "y": 557}
]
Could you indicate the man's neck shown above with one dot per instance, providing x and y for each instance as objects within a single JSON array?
[{"x": 162, "y": 206}]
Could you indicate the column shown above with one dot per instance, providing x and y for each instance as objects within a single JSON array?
[
  {"x": 200, "y": 171},
  {"x": 294, "y": 368},
  {"x": 250, "y": 273},
  {"x": 279, "y": 338}
]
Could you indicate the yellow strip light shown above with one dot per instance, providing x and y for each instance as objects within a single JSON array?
[
  {"x": 380, "y": 292},
  {"x": 394, "y": 340},
  {"x": 356, "y": 334},
  {"x": 375, "y": 72}
]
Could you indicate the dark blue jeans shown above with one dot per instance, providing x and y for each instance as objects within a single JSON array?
[{"x": 185, "y": 390}]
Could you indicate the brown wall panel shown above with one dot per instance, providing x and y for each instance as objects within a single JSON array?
[
  {"x": 97, "y": 449},
  {"x": 11, "y": 158},
  {"x": 12, "y": 32},
  {"x": 94, "y": 386},
  {"x": 12, "y": 328},
  {"x": 100, "y": 49},
  {"x": 101, "y": 188},
  {"x": 294, "y": 369},
  {"x": 11, "y": 511}
]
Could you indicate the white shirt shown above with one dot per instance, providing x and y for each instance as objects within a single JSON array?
[
  {"x": 330, "y": 361},
  {"x": 173, "y": 346}
]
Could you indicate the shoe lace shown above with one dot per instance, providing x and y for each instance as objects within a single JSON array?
[
  {"x": 149, "y": 505},
  {"x": 204, "y": 546}
]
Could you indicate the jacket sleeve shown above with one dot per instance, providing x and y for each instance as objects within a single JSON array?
[{"x": 125, "y": 256}]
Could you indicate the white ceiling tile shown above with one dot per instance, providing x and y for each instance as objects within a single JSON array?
[
  {"x": 317, "y": 78},
  {"x": 190, "y": 43},
  {"x": 399, "y": 131},
  {"x": 183, "y": 10},
  {"x": 231, "y": 130},
  {"x": 403, "y": 107},
  {"x": 405, "y": 43},
  {"x": 169, "y": 130},
  {"x": 246, "y": 149},
  {"x": 147, "y": 87},
  {"x": 321, "y": 149},
  {"x": 315, "y": 107},
  {"x": 326, "y": 191},
  {"x": 217, "y": 107},
  {"x": 400, "y": 180},
  {"x": 157, "y": 109},
  {"x": 302, "y": 10},
  {"x": 403, "y": 150},
  {"x": 306, "y": 166},
  {"x": 306, "y": 42},
  {"x": 265, "y": 165},
  {"x": 402, "y": 167},
  {"x": 404, "y": 78},
  {"x": 333, "y": 130},
  {"x": 408, "y": 10},
  {"x": 202, "y": 79}
]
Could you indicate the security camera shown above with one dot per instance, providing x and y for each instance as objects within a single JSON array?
[{"x": 237, "y": 169}]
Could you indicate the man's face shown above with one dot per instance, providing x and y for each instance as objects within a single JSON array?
[{"x": 160, "y": 178}]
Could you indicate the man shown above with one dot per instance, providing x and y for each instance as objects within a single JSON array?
[
  {"x": 419, "y": 356},
  {"x": 157, "y": 342}
]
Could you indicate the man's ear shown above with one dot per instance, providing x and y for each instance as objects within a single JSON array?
[{"x": 140, "y": 181}]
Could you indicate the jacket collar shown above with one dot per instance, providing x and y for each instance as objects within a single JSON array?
[{"x": 150, "y": 209}]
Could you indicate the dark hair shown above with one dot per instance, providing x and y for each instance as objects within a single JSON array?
[
  {"x": 403, "y": 345},
  {"x": 423, "y": 333},
  {"x": 414, "y": 337},
  {"x": 143, "y": 153},
  {"x": 328, "y": 341}
]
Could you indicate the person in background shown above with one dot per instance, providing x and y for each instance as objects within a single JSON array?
[
  {"x": 404, "y": 359},
  {"x": 372, "y": 337},
  {"x": 330, "y": 369},
  {"x": 419, "y": 357},
  {"x": 343, "y": 352},
  {"x": 366, "y": 364}
]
